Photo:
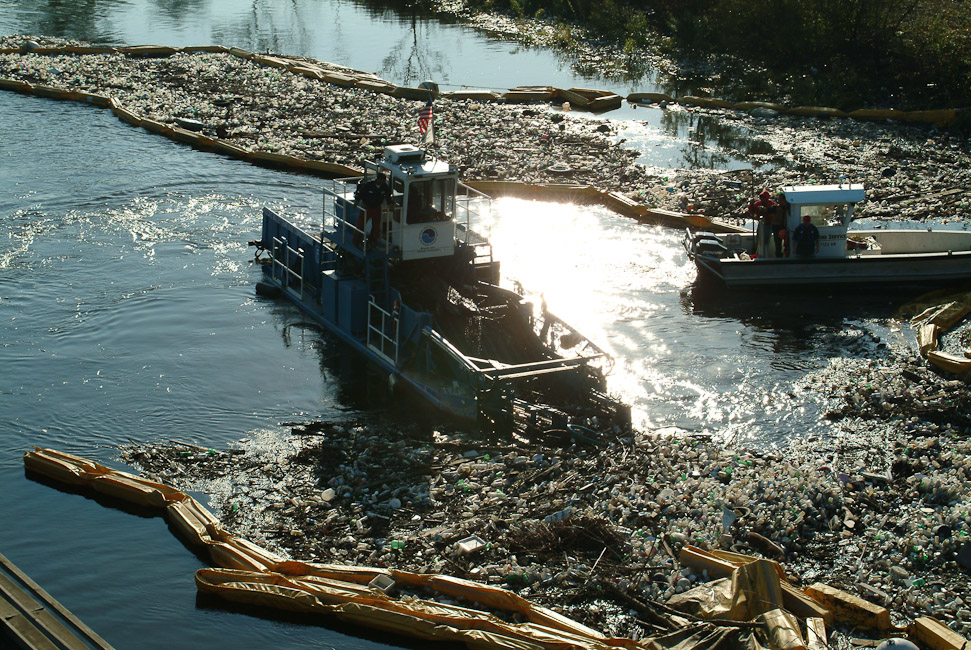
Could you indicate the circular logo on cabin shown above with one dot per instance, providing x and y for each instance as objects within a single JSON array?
[{"x": 428, "y": 236}]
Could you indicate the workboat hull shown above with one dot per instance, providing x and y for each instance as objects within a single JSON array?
[{"x": 887, "y": 257}]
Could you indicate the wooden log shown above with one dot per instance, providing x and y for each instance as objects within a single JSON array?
[
  {"x": 850, "y": 609},
  {"x": 929, "y": 633}
]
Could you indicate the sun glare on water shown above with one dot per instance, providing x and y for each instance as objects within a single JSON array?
[{"x": 598, "y": 271}]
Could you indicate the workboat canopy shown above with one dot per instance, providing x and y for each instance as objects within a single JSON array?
[{"x": 830, "y": 208}]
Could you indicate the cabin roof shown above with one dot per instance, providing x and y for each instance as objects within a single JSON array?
[
  {"x": 824, "y": 194},
  {"x": 408, "y": 160}
]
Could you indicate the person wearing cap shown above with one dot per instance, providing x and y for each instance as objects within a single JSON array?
[
  {"x": 764, "y": 210},
  {"x": 371, "y": 195},
  {"x": 806, "y": 238}
]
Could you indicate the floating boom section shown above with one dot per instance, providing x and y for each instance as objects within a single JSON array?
[{"x": 253, "y": 575}]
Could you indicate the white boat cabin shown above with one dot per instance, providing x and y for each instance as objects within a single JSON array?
[
  {"x": 419, "y": 222},
  {"x": 830, "y": 208}
]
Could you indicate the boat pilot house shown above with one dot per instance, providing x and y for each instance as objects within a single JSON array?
[
  {"x": 418, "y": 221},
  {"x": 829, "y": 209}
]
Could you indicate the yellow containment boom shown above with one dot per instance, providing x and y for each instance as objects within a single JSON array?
[
  {"x": 404, "y": 603},
  {"x": 253, "y": 575}
]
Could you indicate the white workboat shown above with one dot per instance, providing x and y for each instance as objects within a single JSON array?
[{"x": 844, "y": 257}]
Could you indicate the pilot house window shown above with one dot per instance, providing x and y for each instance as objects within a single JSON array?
[
  {"x": 825, "y": 215},
  {"x": 430, "y": 200}
]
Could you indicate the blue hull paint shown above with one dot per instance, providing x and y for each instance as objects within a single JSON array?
[{"x": 345, "y": 318}]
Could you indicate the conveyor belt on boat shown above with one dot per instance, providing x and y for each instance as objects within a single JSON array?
[{"x": 530, "y": 419}]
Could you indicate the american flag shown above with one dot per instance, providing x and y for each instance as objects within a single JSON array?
[{"x": 425, "y": 117}]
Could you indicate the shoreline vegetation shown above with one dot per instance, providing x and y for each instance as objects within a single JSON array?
[{"x": 903, "y": 54}]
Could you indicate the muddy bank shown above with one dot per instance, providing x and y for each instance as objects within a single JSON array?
[{"x": 879, "y": 509}]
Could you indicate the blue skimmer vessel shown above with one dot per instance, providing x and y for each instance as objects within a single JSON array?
[{"x": 412, "y": 287}]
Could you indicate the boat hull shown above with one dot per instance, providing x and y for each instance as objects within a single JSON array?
[
  {"x": 479, "y": 377},
  {"x": 886, "y": 269},
  {"x": 718, "y": 259}
]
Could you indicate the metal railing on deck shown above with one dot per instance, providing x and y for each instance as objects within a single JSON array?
[
  {"x": 341, "y": 189},
  {"x": 284, "y": 268},
  {"x": 382, "y": 332},
  {"x": 468, "y": 204}
]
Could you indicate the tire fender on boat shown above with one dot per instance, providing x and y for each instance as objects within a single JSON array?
[{"x": 267, "y": 289}]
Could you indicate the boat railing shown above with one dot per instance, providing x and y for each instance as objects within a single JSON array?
[
  {"x": 559, "y": 335},
  {"x": 532, "y": 369},
  {"x": 335, "y": 191},
  {"x": 288, "y": 266},
  {"x": 489, "y": 370},
  {"x": 473, "y": 366},
  {"x": 341, "y": 191},
  {"x": 382, "y": 332},
  {"x": 470, "y": 203}
]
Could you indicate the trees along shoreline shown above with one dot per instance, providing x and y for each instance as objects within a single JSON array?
[{"x": 905, "y": 54}]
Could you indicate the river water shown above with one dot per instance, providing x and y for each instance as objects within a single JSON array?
[{"x": 127, "y": 310}]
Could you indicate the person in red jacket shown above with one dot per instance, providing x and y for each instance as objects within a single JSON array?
[
  {"x": 370, "y": 196},
  {"x": 765, "y": 211}
]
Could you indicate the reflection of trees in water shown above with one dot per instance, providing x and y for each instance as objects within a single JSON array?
[
  {"x": 261, "y": 29},
  {"x": 631, "y": 68},
  {"x": 178, "y": 10},
  {"x": 292, "y": 26},
  {"x": 412, "y": 59},
  {"x": 709, "y": 141},
  {"x": 78, "y": 19}
]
